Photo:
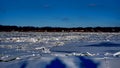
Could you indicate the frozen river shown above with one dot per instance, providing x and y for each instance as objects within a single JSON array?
[{"x": 70, "y": 49}]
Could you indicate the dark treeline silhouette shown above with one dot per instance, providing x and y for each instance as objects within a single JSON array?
[{"x": 57, "y": 29}]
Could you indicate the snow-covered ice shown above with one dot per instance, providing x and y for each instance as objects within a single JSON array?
[{"x": 21, "y": 49}]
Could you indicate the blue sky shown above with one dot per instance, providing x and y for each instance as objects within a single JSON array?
[{"x": 60, "y": 13}]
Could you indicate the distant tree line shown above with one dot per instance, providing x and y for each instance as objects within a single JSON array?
[{"x": 57, "y": 29}]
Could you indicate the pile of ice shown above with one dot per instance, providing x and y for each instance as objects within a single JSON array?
[{"x": 58, "y": 37}]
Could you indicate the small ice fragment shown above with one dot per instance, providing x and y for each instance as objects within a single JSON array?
[
  {"x": 107, "y": 54},
  {"x": 117, "y": 54},
  {"x": 33, "y": 54},
  {"x": 18, "y": 58},
  {"x": 89, "y": 54},
  {"x": 43, "y": 49}
]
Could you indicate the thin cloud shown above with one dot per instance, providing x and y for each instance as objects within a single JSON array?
[
  {"x": 65, "y": 19},
  {"x": 46, "y": 6},
  {"x": 92, "y": 5}
]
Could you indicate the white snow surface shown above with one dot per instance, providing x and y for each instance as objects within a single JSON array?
[{"x": 39, "y": 49}]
